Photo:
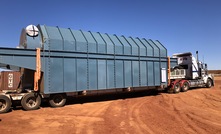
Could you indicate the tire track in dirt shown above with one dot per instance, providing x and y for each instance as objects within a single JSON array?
[
  {"x": 116, "y": 117},
  {"x": 91, "y": 114},
  {"x": 183, "y": 116},
  {"x": 136, "y": 120},
  {"x": 126, "y": 116},
  {"x": 178, "y": 114},
  {"x": 196, "y": 118}
]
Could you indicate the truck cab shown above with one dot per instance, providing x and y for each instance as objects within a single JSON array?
[{"x": 189, "y": 72}]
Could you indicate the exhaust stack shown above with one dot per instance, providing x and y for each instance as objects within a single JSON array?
[
  {"x": 197, "y": 58},
  {"x": 198, "y": 65}
]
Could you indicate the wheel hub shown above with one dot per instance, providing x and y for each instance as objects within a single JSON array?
[
  {"x": 58, "y": 100},
  {"x": 31, "y": 103}
]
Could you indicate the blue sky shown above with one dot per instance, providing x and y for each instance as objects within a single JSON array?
[{"x": 180, "y": 25}]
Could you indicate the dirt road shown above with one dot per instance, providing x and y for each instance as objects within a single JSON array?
[{"x": 195, "y": 111}]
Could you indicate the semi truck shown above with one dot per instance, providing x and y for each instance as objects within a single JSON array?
[
  {"x": 188, "y": 73},
  {"x": 55, "y": 63}
]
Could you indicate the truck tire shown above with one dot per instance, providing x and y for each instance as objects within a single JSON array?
[
  {"x": 31, "y": 101},
  {"x": 209, "y": 83},
  {"x": 57, "y": 100},
  {"x": 176, "y": 88},
  {"x": 5, "y": 104},
  {"x": 185, "y": 87}
]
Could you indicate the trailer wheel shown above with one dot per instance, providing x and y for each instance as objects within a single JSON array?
[
  {"x": 31, "y": 101},
  {"x": 209, "y": 83},
  {"x": 57, "y": 100},
  {"x": 176, "y": 88},
  {"x": 5, "y": 104},
  {"x": 185, "y": 86}
]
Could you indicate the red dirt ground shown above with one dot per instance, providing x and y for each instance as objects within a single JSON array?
[{"x": 195, "y": 111}]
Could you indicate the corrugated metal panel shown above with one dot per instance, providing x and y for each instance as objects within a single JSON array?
[
  {"x": 150, "y": 49},
  {"x": 126, "y": 45},
  {"x": 91, "y": 43},
  {"x": 156, "y": 50},
  {"x": 75, "y": 60},
  {"x": 102, "y": 74},
  {"x": 69, "y": 40},
  {"x": 143, "y": 73},
  {"x": 56, "y": 40},
  {"x": 128, "y": 73},
  {"x": 70, "y": 75},
  {"x": 135, "y": 49},
  {"x": 81, "y": 45},
  {"x": 101, "y": 45},
  {"x": 118, "y": 48},
  {"x": 109, "y": 43},
  {"x": 93, "y": 74},
  {"x": 110, "y": 74},
  {"x": 81, "y": 41},
  {"x": 82, "y": 74},
  {"x": 150, "y": 72},
  {"x": 141, "y": 47},
  {"x": 163, "y": 50}
]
